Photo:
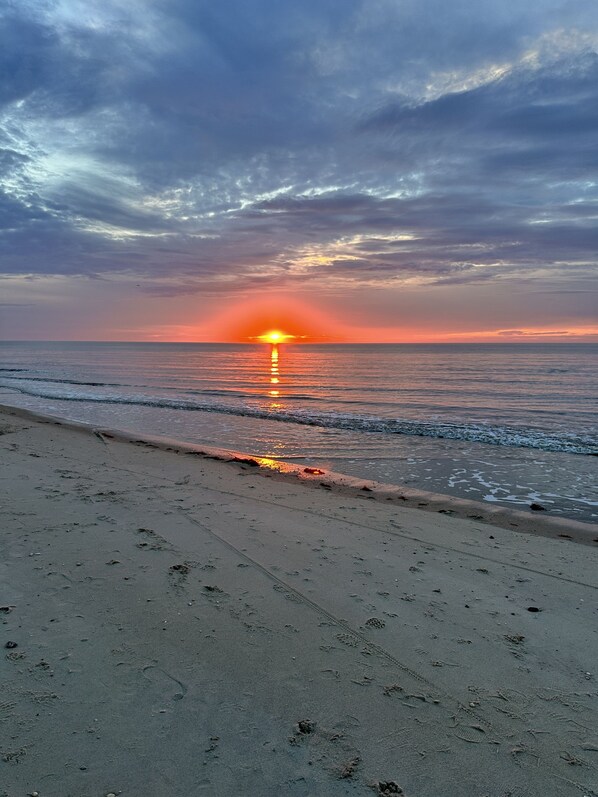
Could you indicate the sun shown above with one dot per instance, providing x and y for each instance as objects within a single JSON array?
[{"x": 274, "y": 336}]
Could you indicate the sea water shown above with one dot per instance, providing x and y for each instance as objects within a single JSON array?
[{"x": 505, "y": 423}]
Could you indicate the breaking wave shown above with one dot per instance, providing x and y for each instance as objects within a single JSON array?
[{"x": 469, "y": 432}]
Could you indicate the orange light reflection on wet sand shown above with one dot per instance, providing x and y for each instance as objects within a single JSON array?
[{"x": 272, "y": 464}]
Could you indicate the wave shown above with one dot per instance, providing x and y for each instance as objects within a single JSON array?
[
  {"x": 468, "y": 432},
  {"x": 248, "y": 395},
  {"x": 48, "y": 380}
]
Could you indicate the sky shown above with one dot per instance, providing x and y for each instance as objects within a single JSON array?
[{"x": 357, "y": 170}]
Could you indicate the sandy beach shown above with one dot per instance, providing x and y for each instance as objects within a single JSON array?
[{"x": 174, "y": 624}]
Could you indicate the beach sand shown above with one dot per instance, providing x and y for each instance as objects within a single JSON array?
[{"x": 174, "y": 624}]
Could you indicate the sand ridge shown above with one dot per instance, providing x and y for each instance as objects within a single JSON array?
[{"x": 184, "y": 625}]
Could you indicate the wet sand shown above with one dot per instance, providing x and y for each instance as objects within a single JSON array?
[{"x": 176, "y": 624}]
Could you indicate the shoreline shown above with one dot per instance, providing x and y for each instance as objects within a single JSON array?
[
  {"x": 173, "y": 623},
  {"x": 531, "y": 522}
]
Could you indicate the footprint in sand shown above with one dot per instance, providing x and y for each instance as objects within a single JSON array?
[
  {"x": 375, "y": 622},
  {"x": 330, "y": 748},
  {"x": 349, "y": 640},
  {"x": 178, "y": 573},
  {"x": 6, "y": 710},
  {"x": 167, "y": 686},
  {"x": 154, "y": 541},
  {"x": 290, "y": 596}
]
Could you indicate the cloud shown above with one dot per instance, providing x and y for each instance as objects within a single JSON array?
[
  {"x": 522, "y": 333},
  {"x": 196, "y": 146}
]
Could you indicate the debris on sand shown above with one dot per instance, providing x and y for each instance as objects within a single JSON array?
[
  {"x": 348, "y": 769},
  {"x": 388, "y": 787},
  {"x": 246, "y": 461}
]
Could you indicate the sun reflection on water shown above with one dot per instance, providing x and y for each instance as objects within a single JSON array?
[{"x": 274, "y": 375}]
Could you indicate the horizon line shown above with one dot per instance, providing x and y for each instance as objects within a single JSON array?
[{"x": 507, "y": 340}]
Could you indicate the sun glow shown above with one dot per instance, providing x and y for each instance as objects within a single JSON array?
[
  {"x": 256, "y": 319},
  {"x": 274, "y": 337}
]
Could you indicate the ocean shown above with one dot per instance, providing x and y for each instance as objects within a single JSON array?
[{"x": 505, "y": 423}]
